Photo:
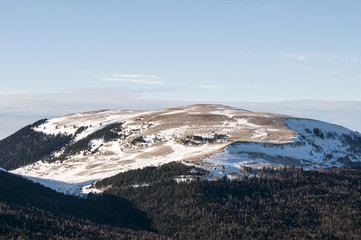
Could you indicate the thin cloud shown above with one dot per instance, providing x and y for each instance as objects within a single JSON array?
[
  {"x": 78, "y": 100},
  {"x": 226, "y": 5},
  {"x": 133, "y": 81},
  {"x": 134, "y": 78},
  {"x": 209, "y": 86},
  {"x": 20, "y": 109},
  {"x": 252, "y": 86},
  {"x": 334, "y": 73},
  {"x": 321, "y": 57},
  {"x": 229, "y": 5},
  {"x": 295, "y": 56},
  {"x": 343, "y": 58}
]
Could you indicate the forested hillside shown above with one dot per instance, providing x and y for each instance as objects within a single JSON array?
[
  {"x": 30, "y": 211},
  {"x": 27, "y": 146},
  {"x": 149, "y": 204},
  {"x": 286, "y": 204}
]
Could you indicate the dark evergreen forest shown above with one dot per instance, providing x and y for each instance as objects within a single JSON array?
[
  {"x": 30, "y": 211},
  {"x": 27, "y": 146},
  {"x": 281, "y": 204}
]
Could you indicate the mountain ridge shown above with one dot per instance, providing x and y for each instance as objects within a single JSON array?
[{"x": 217, "y": 138}]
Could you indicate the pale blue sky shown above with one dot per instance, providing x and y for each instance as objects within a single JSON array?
[
  {"x": 200, "y": 50},
  {"x": 168, "y": 50}
]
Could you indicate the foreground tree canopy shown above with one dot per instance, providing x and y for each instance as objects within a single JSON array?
[{"x": 285, "y": 204}]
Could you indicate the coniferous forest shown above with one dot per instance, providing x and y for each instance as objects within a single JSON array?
[
  {"x": 27, "y": 146},
  {"x": 280, "y": 204}
]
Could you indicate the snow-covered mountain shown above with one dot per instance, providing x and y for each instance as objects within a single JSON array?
[{"x": 221, "y": 139}]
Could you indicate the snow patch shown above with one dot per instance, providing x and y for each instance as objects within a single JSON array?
[
  {"x": 68, "y": 125},
  {"x": 307, "y": 149},
  {"x": 63, "y": 187},
  {"x": 174, "y": 112}
]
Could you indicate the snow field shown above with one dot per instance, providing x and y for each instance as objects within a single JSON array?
[{"x": 310, "y": 152}]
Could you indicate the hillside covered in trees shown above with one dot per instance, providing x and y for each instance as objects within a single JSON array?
[
  {"x": 149, "y": 204},
  {"x": 286, "y": 204},
  {"x": 30, "y": 211},
  {"x": 27, "y": 146}
]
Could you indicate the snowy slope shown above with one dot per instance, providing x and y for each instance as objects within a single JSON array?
[
  {"x": 94, "y": 121},
  {"x": 316, "y": 145},
  {"x": 214, "y": 137}
]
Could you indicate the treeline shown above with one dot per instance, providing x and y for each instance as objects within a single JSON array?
[
  {"x": 283, "y": 204},
  {"x": 150, "y": 175},
  {"x": 108, "y": 133},
  {"x": 29, "y": 209},
  {"x": 25, "y": 222},
  {"x": 27, "y": 146}
]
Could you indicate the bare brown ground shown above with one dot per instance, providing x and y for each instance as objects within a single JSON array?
[
  {"x": 201, "y": 119},
  {"x": 193, "y": 120},
  {"x": 161, "y": 151},
  {"x": 237, "y": 124}
]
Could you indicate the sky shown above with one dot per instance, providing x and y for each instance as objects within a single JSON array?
[{"x": 64, "y": 56}]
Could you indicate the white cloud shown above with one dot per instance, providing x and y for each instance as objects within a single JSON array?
[
  {"x": 294, "y": 56},
  {"x": 209, "y": 86},
  {"x": 133, "y": 78},
  {"x": 252, "y": 86},
  {"x": 334, "y": 73},
  {"x": 133, "y": 81}
]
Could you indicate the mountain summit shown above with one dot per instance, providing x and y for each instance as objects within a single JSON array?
[{"x": 85, "y": 147}]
